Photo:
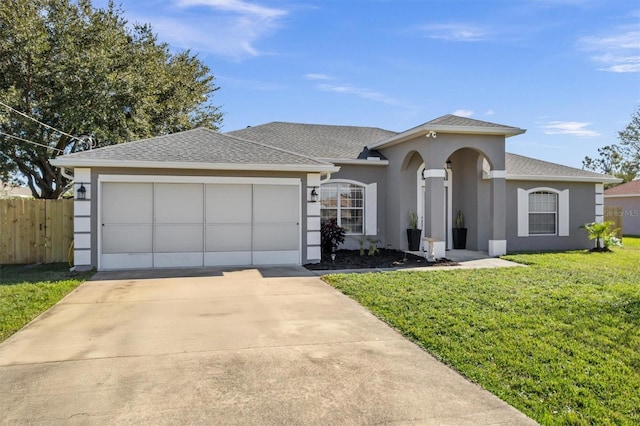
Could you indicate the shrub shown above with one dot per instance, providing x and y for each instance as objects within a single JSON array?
[
  {"x": 601, "y": 231},
  {"x": 332, "y": 235}
]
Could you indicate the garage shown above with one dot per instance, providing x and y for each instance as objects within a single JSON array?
[{"x": 165, "y": 222}]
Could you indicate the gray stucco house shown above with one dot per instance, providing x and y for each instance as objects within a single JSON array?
[
  {"x": 627, "y": 198},
  {"x": 203, "y": 198}
]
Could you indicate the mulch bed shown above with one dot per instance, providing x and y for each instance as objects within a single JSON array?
[{"x": 385, "y": 258}]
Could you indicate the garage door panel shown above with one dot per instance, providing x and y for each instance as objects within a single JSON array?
[
  {"x": 127, "y": 261},
  {"x": 275, "y": 203},
  {"x": 229, "y": 237},
  {"x": 285, "y": 257},
  {"x": 135, "y": 238},
  {"x": 178, "y": 238},
  {"x": 230, "y": 258},
  {"x": 127, "y": 202},
  {"x": 179, "y": 203},
  {"x": 227, "y": 203},
  {"x": 178, "y": 260},
  {"x": 275, "y": 236}
]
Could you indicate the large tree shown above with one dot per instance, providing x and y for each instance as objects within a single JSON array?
[
  {"x": 87, "y": 72},
  {"x": 621, "y": 160}
]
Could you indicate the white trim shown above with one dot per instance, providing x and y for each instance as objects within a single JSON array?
[
  {"x": 599, "y": 198},
  {"x": 562, "y": 213},
  {"x": 198, "y": 179},
  {"x": 427, "y": 128},
  {"x": 370, "y": 220},
  {"x": 523, "y": 213},
  {"x": 563, "y": 178},
  {"x": 314, "y": 254},
  {"x": 82, "y": 174},
  {"x": 82, "y": 241},
  {"x": 370, "y": 161},
  {"x": 371, "y": 209},
  {"x": 600, "y": 210},
  {"x": 313, "y": 179},
  {"x": 81, "y": 257},
  {"x": 599, "y": 188},
  {"x": 621, "y": 195},
  {"x": 74, "y": 162},
  {"x": 497, "y": 248},
  {"x": 497, "y": 174},
  {"x": 434, "y": 173}
]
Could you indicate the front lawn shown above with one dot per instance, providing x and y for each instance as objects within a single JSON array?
[
  {"x": 27, "y": 291},
  {"x": 559, "y": 340}
]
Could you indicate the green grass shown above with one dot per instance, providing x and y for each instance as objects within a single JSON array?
[
  {"x": 27, "y": 291},
  {"x": 559, "y": 340}
]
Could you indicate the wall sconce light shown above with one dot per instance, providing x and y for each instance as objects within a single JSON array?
[
  {"x": 431, "y": 134},
  {"x": 81, "y": 193},
  {"x": 314, "y": 195},
  {"x": 448, "y": 164}
]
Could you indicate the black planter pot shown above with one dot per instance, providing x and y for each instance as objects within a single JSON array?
[
  {"x": 413, "y": 236},
  {"x": 459, "y": 238}
]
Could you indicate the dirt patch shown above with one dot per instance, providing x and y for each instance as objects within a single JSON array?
[{"x": 385, "y": 258}]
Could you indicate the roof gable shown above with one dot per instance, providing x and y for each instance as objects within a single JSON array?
[{"x": 449, "y": 124}]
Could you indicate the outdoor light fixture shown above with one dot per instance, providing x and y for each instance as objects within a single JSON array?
[
  {"x": 431, "y": 134},
  {"x": 81, "y": 193},
  {"x": 448, "y": 163},
  {"x": 314, "y": 195}
]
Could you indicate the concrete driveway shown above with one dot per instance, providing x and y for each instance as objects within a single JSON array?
[{"x": 267, "y": 346}]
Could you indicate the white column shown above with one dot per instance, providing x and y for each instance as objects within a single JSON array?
[
  {"x": 313, "y": 220},
  {"x": 82, "y": 220}
]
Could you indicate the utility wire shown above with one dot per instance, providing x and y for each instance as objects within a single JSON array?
[
  {"x": 41, "y": 123},
  {"x": 31, "y": 142}
]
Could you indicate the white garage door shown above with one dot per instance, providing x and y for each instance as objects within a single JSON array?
[{"x": 165, "y": 224}]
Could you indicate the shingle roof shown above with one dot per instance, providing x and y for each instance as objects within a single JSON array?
[
  {"x": 316, "y": 140},
  {"x": 629, "y": 188},
  {"x": 199, "y": 145},
  {"x": 519, "y": 165},
  {"x": 454, "y": 120}
]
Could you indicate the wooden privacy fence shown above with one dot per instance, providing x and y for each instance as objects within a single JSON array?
[
  {"x": 615, "y": 215},
  {"x": 35, "y": 231}
]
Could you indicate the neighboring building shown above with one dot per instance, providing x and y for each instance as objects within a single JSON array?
[
  {"x": 627, "y": 198},
  {"x": 201, "y": 198},
  {"x": 10, "y": 191}
]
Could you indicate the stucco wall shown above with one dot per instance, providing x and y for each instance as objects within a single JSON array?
[
  {"x": 581, "y": 211},
  {"x": 630, "y": 213},
  {"x": 367, "y": 174}
]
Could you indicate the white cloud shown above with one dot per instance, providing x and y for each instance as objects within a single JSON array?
[
  {"x": 573, "y": 128},
  {"x": 233, "y": 29},
  {"x": 360, "y": 92},
  {"x": 313, "y": 76},
  {"x": 236, "y": 6},
  {"x": 454, "y": 32},
  {"x": 463, "y": 113},
  {"x": 489, "y": 112},
  {"x": 617, "y": 51}
]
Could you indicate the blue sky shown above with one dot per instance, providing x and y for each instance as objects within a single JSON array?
[{"x": 568, "y": 71}]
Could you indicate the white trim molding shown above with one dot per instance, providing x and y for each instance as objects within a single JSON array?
[
  {"x": 497, "y": 248},
  {"x": 599, "y": 205},
  {"x": 434, "y": 173},
  {"x": 497, "y": 174},
  {"x": 562, "y": 218}
]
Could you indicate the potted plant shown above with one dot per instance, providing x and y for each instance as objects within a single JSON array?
[
  {"x": 413, "y": 233},
  {"x": 460, "y": 233}
]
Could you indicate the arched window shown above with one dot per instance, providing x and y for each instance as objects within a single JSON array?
[{"x": 543, "y": 211}]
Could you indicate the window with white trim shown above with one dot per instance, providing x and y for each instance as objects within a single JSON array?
[
  {"x": 543, "y": 213},
  {"x": 345, "y": 203}
]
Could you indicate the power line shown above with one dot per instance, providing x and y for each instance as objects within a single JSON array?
[
  {"x": 41, "y": 123},
  {"x": 31, "y": 142}
]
